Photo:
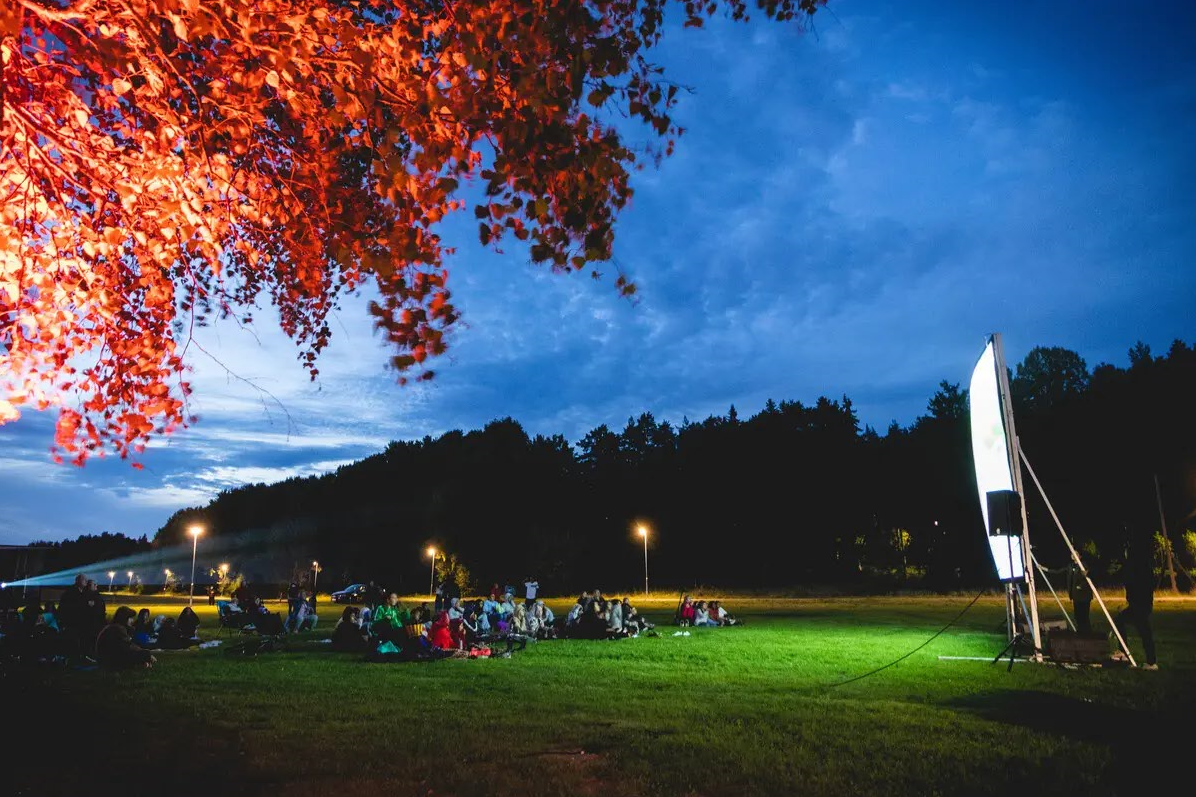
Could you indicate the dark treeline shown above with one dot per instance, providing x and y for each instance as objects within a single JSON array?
[
  {"x": 50, "y": 557},
  {"x": 796, "y": 494}
]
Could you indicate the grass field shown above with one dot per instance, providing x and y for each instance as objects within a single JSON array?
[{"x": 722, "y": 712}]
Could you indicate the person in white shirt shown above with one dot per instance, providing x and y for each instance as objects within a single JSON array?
[
  {"x": 530, "y": 587},
  {"x": 614, "y": 616}
]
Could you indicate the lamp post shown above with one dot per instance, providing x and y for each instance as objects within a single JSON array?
[
  {"x": 195, "y": 531},
  {"x": 111, "y": 575},
  {"x": 432, "y": 577},
  {"x": 130, "y": 575},
  {"x": 643, "y": 530},
  {"x": 223, "y": 575},
  {"x": 315, "y": 575}
]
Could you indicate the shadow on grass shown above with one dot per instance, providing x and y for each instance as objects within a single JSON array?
[
  {"x": 1141, "y": 742},
  {"x": 64, "y": 738},
  {"x": 1060, "y": 715}
]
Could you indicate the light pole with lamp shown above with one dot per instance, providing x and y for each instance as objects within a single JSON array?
[
  {"x": 643, "y": 530},
  {"x": 130, "y": 575},
  {"x": 111, "y": 575},
  {"x": 315, "y": 575},
  {"x": 432, "y": 577},
  {"x": 195, "y": 531}
]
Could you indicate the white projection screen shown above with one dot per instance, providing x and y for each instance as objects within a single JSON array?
[{"x": 991, "y": 453}]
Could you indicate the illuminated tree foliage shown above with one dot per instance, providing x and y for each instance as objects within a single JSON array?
[{"x": 166, "y": 161}]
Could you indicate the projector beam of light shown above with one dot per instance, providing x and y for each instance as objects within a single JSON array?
[{"x": 262, "y": 554}]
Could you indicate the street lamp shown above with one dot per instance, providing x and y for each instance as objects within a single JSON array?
[
  {"x": 643, "y": 530},
  {"x": 111, "y": 575},
  {"x": 195, "y": 531},
  {"x": 315, "y": 575},
  {"x": 432, "y": 578},
  {"x": 130, "y": 575}
]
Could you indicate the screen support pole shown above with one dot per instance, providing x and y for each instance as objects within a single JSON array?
[
  {"x": 1075, "y": 557},
  {"x": 1015, "y": 470},
  {"x": 1042, "y": 572}
]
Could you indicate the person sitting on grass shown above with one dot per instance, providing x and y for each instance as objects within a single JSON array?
[
  {"x": 506, "y": 613},
  {"x": 575, "y": 612},
  {"x": 188, "y": 623},
  {"x": 702, "y": 615},
  {"x": 519, "y": 619},
  {"x": 455, "y": 611},
  {"x": 348, "y": 636},
  {"x": 614, "y": 618},
  {"x": 145, "y": 633},
  {"x": 545, "y": 620},
  {"x": 717, "y": 612},
  {"x": 685, "y": 612},
  {"x": 115, "y": 648},
  {"x": 389, "y": 619},
  {"x": 591, "y": 624},
  {"x": 470, "y": 627},
  {"x": 633, "y": 621},
  {"x": 439, "y": 635},
  {"x": 170, "y": 637},
  {"x": 490, "y": 607},
  {"x": 305, "y": 618},
  {"x": 480, "y": 620},
  {"x": 50, "y": 616}
]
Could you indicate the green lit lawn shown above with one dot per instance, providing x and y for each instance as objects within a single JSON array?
[{"x": 722, "y": 712}]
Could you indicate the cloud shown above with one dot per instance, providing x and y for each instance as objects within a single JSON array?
[{"x": 849, "y": 212}]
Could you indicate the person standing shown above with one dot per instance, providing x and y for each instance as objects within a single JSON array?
[
  {"x": 530, "y": 588},
  {"x": 97, "y": 614},
  {"x": 1139, "y": 593},
  {"x": 72, "y": 615},
  {"x": 1081, "y": 598},
  {"x": 211, "y": 596},
  {"x": 294, "y": 598}
]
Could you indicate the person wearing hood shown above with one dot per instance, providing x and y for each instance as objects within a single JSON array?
[
  {"x": 439, "y": 634},
  {"x": 188, "y": 623}
]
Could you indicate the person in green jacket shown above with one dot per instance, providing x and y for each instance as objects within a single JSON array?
[{"x": 389, "y": 619}]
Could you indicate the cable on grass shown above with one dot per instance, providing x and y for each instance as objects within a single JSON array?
[{"x": 894, "y": 662}]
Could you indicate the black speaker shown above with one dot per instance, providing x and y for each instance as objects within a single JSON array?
[{"x": 1004, "y": 513}]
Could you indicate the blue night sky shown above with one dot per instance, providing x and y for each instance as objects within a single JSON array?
[{"x": 849, "y": 213}]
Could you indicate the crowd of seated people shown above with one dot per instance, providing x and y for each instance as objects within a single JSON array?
[
  {"x": 248, "y": 612},
  {"x": 703, "y": 614},
  {"x": 76, "y": 626},
  {"x": 46, "y": 634},
  {"x": 595, "y": 617}
]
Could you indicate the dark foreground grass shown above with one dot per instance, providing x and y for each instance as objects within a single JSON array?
[{"x": 722, "y": 712}]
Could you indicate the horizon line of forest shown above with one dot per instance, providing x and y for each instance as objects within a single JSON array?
[{"x": 795, "y": 494}]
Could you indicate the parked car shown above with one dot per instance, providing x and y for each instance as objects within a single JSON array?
[{"x": 354, "y": 593}]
